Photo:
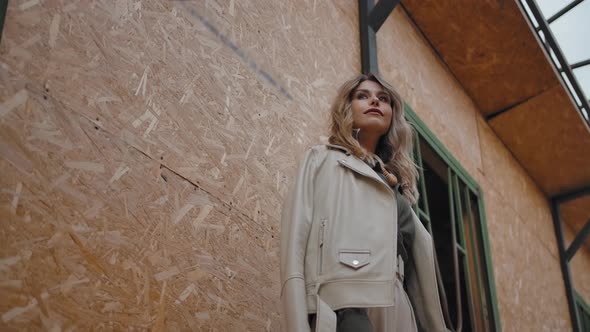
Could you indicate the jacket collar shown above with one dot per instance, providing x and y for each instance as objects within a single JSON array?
[
  {"x": 355, "y": 164},
  {"x": 339, "y": 147}
]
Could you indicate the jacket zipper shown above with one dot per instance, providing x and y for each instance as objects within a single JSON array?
[{"x": 321, "y": 245}]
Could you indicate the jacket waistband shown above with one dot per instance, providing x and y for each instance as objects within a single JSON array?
[{"x": 366, "y": 294}]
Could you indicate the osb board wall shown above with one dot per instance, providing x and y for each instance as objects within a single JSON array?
[
  {"x": 145, "y": 150},
  {"x": 522, "y": 240},
  {"x": 428, "y": 88},
  {"x": 523, "y": 243},
  {"x": 554, "y": 150},
  {"x": 145, "y": 190},
  {"x": 529, "y": 282},
  {"x": 489, "y": 47}
]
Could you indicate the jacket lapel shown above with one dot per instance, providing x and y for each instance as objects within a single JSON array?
[
  {"x": 356, "y": 165},
  {"x": 360, "y": 167}
]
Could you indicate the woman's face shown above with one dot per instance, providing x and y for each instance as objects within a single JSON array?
[{"x": 371, "y": 108}]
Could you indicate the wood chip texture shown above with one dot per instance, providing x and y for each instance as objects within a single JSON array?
[{"x": 146, "y": 147}]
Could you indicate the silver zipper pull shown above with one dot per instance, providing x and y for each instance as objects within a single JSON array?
[{"x": 323, "y": 225}]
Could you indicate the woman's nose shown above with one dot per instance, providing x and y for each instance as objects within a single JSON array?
[{"x": 374, "y": 100}]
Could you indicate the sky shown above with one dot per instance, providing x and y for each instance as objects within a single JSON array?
[{"x": 572, "y": 32}]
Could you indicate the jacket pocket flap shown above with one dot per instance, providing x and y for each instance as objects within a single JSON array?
[{"x": 354, "y": 258}]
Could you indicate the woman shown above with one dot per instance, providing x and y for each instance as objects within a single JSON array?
[{"x": 348, "y": 232}]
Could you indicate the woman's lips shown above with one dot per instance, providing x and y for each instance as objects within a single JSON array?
[{"x": 374, "y": 110}]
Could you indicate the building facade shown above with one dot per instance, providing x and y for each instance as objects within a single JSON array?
[{"x": 146, "y": 147}]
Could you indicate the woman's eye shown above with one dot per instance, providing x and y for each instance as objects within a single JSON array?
[
  {"x": 384, "y": 99},
  {"x": 361, "y": 96}
]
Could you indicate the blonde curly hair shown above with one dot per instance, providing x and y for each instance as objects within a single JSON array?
[{"x": 393, "y": 148}]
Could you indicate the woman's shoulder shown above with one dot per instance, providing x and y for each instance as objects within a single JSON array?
[
  {"x": 323, "y": 155},
  {"x": 321, "y": 151}
]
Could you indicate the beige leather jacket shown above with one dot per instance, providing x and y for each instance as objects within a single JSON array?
[{"x": 339, "y": 243}]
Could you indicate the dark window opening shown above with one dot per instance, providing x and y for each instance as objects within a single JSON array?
[
  {"x": 450, "y": 210},
  {"x": 438, "y": 204}
]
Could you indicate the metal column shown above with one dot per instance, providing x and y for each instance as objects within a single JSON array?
[
  {"x": 566, "y": 255},
  {"x": 371, "y": 17}
]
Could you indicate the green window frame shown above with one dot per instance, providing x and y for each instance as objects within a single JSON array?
[{"x": 471, "y": 250}]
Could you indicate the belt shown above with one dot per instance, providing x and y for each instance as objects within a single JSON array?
[{"x": 325, "y": 317}]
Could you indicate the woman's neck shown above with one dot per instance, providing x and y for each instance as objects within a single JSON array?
[{"x": 369, "y": 142}]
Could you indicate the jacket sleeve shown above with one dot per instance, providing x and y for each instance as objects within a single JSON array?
[
  {"x": 422, "y": 285},
  {"x": 295, "y": 227}
]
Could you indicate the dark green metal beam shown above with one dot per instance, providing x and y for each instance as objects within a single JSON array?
[
  {"x": 565, "y": 269},
  {"x": 580, "y": 64},
  {"x": 578, "y": 241},
  {"x": 564, "y": 10},
  {"x": 381, "y": 12},
  {"x": 371, "y": 17},
  {"x": 566, "y": 255},
  {"x": 3, "y": 10},
  {"x": 572, "y": 194},
  {"x": 552, "y": 45},
  {"x": 368, "y": 39}
]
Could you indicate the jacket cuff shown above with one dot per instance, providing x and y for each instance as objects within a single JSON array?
[{"x": 294, "y": 305}]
